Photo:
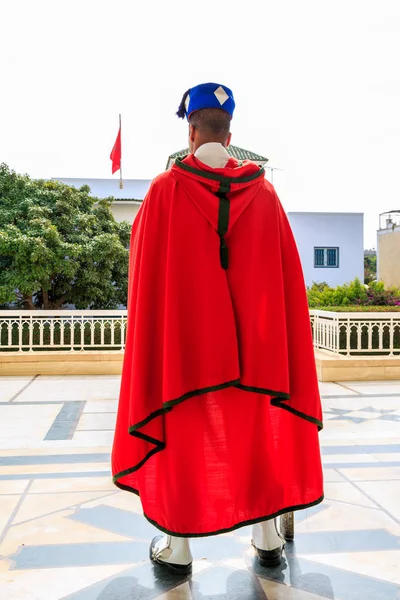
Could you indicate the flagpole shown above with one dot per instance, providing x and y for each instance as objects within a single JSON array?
[{"x": 121, "y": 183}]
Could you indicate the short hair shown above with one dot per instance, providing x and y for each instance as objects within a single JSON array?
[{"x": 212, "y": 121}]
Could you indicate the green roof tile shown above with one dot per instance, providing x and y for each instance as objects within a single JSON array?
[{"x": 234, "y": 151}]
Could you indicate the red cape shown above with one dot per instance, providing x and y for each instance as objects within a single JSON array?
[{"x": 217, "y": 317}]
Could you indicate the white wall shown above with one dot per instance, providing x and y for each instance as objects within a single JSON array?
[
  {"x": 125, "y": 210},
  {"x": 342, "y": 230}
]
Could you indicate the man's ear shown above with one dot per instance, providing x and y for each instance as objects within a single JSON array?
[
  {"x": 228, "y": 141},
  {"x": 192, "y": 133}
]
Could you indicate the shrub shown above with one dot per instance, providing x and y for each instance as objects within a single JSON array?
[{"x": 352, "y": 294}]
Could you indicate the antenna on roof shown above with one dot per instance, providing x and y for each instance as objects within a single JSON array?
[{"x": 272, "y": 169}]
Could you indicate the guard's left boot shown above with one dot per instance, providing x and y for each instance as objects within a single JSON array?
[{"x": 172, "y": 553}]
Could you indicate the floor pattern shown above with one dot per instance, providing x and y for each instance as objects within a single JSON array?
[{"x": 67, "y": 533}]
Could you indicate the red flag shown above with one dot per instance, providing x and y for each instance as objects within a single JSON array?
[{"x": 116, "y": 153}]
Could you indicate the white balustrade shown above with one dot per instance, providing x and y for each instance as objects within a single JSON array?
[
  {"x": 368, "y": 333},
  {"x": 78, "y": 330},
  {"x": 33, "y": 330}
]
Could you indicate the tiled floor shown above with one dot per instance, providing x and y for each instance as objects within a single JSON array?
[{"x": 67, "y": 533}]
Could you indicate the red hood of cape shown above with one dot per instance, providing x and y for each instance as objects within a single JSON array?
[{"x": 239, "y": 181}]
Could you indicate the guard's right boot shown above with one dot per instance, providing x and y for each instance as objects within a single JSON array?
[
  {"x": 172, "y": 553},
  {"x": 268, "y": 542}
]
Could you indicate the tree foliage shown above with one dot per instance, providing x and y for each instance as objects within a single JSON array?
[{"x": 59, "y": 245}]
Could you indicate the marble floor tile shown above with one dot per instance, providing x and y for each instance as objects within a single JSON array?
[
  {"x": 44, "y": 450},
  {"x": 371, "y": 474},
  {"x": 279, "y": 591},
  {"x": 344, "y": 431},
  {"x": 353, "y": 403},
  {"x": 352, "y": 441},
  {"x": 84, "y": 484},
  {"x": 72, "y": 445},
  {"x": 347, "y": 493},
  {"x": 32, "y": 470},
  {"x": 55, "y": 532},
  {"x": 368, "y": 384},
  {"x": 94, "y": 380},
  {"x": 341, "y": 516},
  {"x": 56, "y": 584},
  {"x": 101, "y": 406},
  {"x": 56, "y": 458},
  {"x": 389, "y": 457},
  {"x": 17, "y": 444},
  {"x": 97, "y": 421},
  {"x": 332, "y": 475},
  {"x": 121, "y": 500},
  {"x": 10, "y": 590},
  {"x": 94, "y": 438},
  {"x": 16, "y": 423},
  {"x": 182, "y": 592},
  {"x": 365, "y": 563},
  {"x": 222, "y": 582},
  {"x": 333, "y": 389},
  {"x": 331, "y": 582},
  {"x": 10, "y": 386},
  {"x": 381, "y": 387},
  {"x": 13, "y": 487},
  {"x": 387, "y": 494},
  {"x": 7, "y": 506},
  {"x": 349, "y": 458},
  {"x": 362, "y": 402},
  {"x": 66, "y": 388},
  {"x": 40, "y": 505}
]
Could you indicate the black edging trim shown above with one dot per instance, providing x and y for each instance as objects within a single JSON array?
[
  {"x": 283, "y": 511},
  {"x": 277, "y": 399},
  {"x": 167, "y": 406},
  {"x": 264, "y": 391},
  {"x": 238, "y": 525},
  {"x": 280, "y": 404},
  {"x": 221, "y": 178}
]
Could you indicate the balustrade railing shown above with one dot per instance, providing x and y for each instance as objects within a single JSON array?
[
  {"x": 30, "y": 330},
  {"x": 356, "y": 333},
  {"x": 77, "y": 330}
]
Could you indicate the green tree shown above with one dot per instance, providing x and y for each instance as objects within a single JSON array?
[{"x": 59, "y": 245}]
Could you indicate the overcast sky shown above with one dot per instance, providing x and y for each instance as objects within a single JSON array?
[{"x": 316, "y": 83}]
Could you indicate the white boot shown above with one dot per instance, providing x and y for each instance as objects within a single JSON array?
[
  {"x": 172, "y": 551},
  {"x": 266, "y": 536}
]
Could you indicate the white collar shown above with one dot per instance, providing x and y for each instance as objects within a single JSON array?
[{"x": 213, "y": 154}]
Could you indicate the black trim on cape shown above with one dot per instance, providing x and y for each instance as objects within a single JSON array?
[
  {"x": 239, "y": 525},
  {"x": 216, "y": 177},
  {"x": 278, "y": 399}
]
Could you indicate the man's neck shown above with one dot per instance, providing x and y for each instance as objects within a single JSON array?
[{"x": 213, "y": 154}]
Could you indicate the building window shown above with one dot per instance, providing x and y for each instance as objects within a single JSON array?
[{"x": 326, "y": 258}]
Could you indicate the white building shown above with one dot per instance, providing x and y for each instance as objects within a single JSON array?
[
  {"x": 331, "y": 246},
  {"x": 126, "y": 201}
]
